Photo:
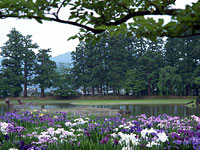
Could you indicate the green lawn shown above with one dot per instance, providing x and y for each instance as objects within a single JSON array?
[
  {"x": 144, "y": 101},
  {"x": 109, "y": 102}
]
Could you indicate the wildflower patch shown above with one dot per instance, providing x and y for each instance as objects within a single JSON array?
[{"x": 60, "y": 131}]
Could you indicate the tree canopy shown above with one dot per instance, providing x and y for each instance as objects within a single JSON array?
[
  {"x": 44, "y": 70},
  {"x": 137, "y": 66},
  {"x": 119, "y": 16},
  {"x": 12, "y": 51},
  {"x": 21, "y": 66}
]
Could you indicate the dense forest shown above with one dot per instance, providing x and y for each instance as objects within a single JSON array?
[
  {"x": 115, "y": 65},
  {"x": 132, "y": 66}
]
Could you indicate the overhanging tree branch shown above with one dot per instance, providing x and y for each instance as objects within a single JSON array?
[
  {"x": 95, "y": 31},
  {"x": 130, "y": 15},
  {"x": 99, "y": 24},
  {"x": 61, "y": 5}
]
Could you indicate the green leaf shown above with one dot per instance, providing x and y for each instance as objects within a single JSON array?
[
  {"x": 72, "y": 37},
  {"x": 38, "y": 20}
]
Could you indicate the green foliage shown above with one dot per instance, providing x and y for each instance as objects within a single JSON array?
[
  {"x": 183, "y": 53},
  {"x": 44, "y": 70},
  {"x": 79, "y": 67},
  {"x": 117, "y": 17},
  {"x": 150, "y": 60},
  {"x": 196, "y": 76},
  {"x": 138, "y": 65},
  {"x": 11, "y": 64},
  {"x": 99, "y": 67},
  {"x": 169, "y": 82},
  {"x": 28, "y": 61},
  {"x": 64, "y": 82},
  {"x": 3, "y": 87},
  {"x": 134, "y": 82},
  {"x": 18, "y": 62},
  {"x": 197, "y": 80},
  {"x": 102, "y": 67}
]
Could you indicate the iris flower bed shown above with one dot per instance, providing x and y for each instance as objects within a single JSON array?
[{"x": 64, "y": 131}]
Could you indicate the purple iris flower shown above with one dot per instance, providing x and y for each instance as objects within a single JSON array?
[
  {"x": 175, "y": 136},
  {"x": 118, "y": 114},
  {"x": 178, "y": 142},
  {"x": 87, "y": 133},
  {"x": 115, "y": 142},
  {"x": 104, "y": 140},
  {"x": 23, "y": 146},
  {"x": 198, "y": 126},
  {"x": 6, "y": 137}
]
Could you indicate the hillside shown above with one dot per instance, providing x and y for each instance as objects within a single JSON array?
[
  {"x": 63, "y": 58},
  {"x": 0, "y": 60}
]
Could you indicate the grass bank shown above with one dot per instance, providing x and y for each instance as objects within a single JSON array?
[
  {"x": 142, "y": 101},
  {"x": 108, "y": 102}
]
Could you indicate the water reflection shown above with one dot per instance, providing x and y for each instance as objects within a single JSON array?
[
  {"x": 156, "y": 109},
  {"x": 3, "y": 109},
  {"x": 149, "y": 110}
]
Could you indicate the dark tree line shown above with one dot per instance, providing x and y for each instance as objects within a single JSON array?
[
  {"x": 21, "y": 66},
  {"x": 113, "y": 66},
  {"x": 133, "y": 66}
]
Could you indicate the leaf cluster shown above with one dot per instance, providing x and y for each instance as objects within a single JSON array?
[{"x": 124, "y": 16}]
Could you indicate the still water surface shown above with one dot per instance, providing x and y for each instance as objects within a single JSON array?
[
  {"x": 149, "y": 110},
  {"x": 156, "y": 109}
]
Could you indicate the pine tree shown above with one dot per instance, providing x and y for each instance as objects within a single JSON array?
[
  {"x": 18, "y": 61},
  {"x": 28, "y": 60},
  {"x": 12, "y": 52},
  {"x": 44, "y": 70}
]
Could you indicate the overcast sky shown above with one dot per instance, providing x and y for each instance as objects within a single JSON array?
[{"x": 50, "y": 34}]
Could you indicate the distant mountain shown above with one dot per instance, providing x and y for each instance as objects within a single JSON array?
[
  {"x": 1, "y": 60},
  {"x": 63, "y": 58}
]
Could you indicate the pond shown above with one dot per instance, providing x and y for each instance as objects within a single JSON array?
[{"x": 149, "y": 110}]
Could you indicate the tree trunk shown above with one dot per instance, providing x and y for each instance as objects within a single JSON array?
[
  {"x": 118, "y": 92},
  {"x": 106, "y": 88},
  {"x": 197, "y": 91},
  {"x": 98, "y": 91},
  {"x": 101, "y": 90},
  {"x": 84, "y": 90},
  {"x": 114, "y": 91},
  {"x": 170, "y": 90},
  {"x": 198, "y": 101},
  {"x": 42, "y": 93},
  {"x": 41, "y": 84},
  {"x": 187, "y": 90},
  {"x": 149, "y": 87},
  {"x": 25, "y": 80},
  {"x": 92, "y": 91}
]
